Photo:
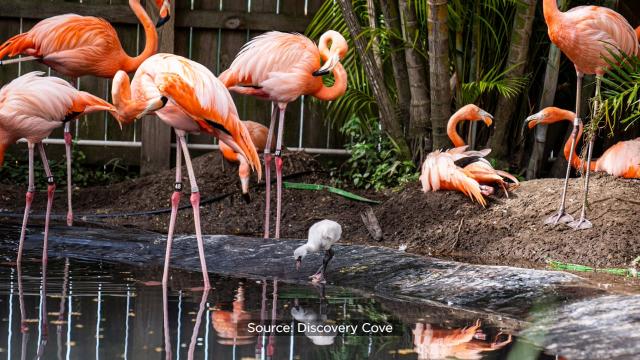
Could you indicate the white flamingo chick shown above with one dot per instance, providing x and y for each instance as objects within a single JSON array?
[{"x": 322, "y": 236}]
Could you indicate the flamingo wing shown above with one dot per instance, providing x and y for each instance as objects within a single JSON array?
[
  {"x": 440, "y": 172},
  {"x": 209, "y": 103},
  {"x": 271, "y": 52},
  {"x": 71, "y": 44},
  {"x": 622, "y": 159}
]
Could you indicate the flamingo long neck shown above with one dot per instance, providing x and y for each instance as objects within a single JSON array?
[
  {"x": 452, "y": 130},
  {"x": 337, "y": 89},
  {"x": 576, "y": 161},
  {"x": 151, "y": 38},
  {"x": 551, "y": 12},
  {"x": 127, "y": 109}
]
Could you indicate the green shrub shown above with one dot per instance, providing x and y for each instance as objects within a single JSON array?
[{"x": 374, "y": 158}]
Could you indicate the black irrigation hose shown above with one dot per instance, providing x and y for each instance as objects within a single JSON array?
[{"x": 208, "y": 200}]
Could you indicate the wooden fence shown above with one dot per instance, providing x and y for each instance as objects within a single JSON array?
[{"x": 210, "y": 32}]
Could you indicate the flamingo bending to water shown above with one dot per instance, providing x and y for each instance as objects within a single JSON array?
[
  {"x": 31, "y": 107},
  {"x": 76, "y": 46},
  {"x": 322, "y": 236},
  {"x": 189, "y": 98},
  {"x": 621, "y": 160},
  {"x": 586, "y": 35},
  {"x": 259, "y": 135},
  {"x": 281, "y": 67}
]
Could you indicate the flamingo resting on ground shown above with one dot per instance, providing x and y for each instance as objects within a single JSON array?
[
  {"x": 446, "y": 170},
  {"x": 189, "y": 98},
  {"x": 31, "y": 107},
  {"x": 322, "y": 236},
  {"x": 481, "y": 170},
  {"x": 281, "y": 67},
  {"x": 586, "y": 35},
  {"x": 258, "y": 134},
  {"x": 622, "y": 159},
  {"x": 76, "y": 46}
]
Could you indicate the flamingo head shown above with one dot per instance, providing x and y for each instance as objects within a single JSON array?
[
  {"x": 472, "y": 112},
  {"x": 333, "y": 53},
  {"x": 165, "y": 12},
  {"x": 299, "y": 254},
  {"x": 545, "y": 116}
]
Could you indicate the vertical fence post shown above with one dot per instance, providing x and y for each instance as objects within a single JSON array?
[{"x": 155, "y": 135}]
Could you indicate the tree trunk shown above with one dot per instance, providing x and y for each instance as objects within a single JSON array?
[
  {"x": 546, "y": 100},
  {"x": 371, "y": 14},
  {"x": 419, "y": 111},
  {"x": 388, "y": 116},
  {"x": 517, "y": 61},
  {"x": 398, "y": 63},
  {"x": 439, "y": 71},
  {"x": 536, "y": 161}
]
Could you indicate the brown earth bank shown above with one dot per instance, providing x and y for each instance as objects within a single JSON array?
[{"x": 445, "y": 224}]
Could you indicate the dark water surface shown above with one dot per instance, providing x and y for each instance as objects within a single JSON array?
[{"x": 92, "y": 310}]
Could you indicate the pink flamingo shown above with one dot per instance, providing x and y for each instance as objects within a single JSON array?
[
  {"x": 258, "y": 134},
  {"x": 281, "y": 67},
  {"x": 189, "y": 98},
  {"x": 621, "y": 160},
  {"x": 76, "y": 46},
  {"x": 31, "y": 107},
  {"x": 587, "y": 35}
]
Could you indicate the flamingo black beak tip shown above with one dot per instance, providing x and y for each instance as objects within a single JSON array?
[
  {"x": 321, "y": 72},
  {"x": 162, "y": 21},
  {"x": 298, "y": 263},
  {"x": 246, "y": 197}
]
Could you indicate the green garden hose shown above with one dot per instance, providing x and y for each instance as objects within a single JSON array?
[
  {"x": 557, "y": 265},
  {"x": 331, "y": 189}
]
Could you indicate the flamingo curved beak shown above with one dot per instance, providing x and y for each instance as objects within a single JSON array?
[
  {"x": 533, "y": 120},
  {"x": 165, "y": 14},
  {"x": 328, "y": 66},
  {"x": 298, "y": 263},
  {"x": 153, "y": 105},
  {"x": 486, "y": 117}
]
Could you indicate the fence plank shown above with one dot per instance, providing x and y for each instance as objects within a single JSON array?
[
  {"x": 155, "y": 135},
  {"x": 207, "y": 19}
]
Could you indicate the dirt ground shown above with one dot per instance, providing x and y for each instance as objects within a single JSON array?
[{"x": 508, "y": 232}]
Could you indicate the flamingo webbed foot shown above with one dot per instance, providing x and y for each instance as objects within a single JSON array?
[
  {"x": 582, "y": 224},
  {"x": 561, "y": 217},
  {"x": 318, "y": 278},
  {"x": 486, "y": 190}
]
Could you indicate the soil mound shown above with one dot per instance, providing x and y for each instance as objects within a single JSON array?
[{"x": 508, "y": 231}]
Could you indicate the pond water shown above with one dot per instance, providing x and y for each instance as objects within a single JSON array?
[{"x": 89, "y": 310}]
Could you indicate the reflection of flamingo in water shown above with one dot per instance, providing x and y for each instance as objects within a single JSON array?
[
  {"x": 231, "y": 326},
  {"x": 196, "y": 326},
  {"x": 310, "y": 317},
  {"x": 433, "y": 343},
  {"x": 63, "y": 296},
  {"x": 270, "y": 348}
]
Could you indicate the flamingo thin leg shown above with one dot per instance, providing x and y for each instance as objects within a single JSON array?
[
  {"x": 318, "y": 277},
  {"x": 562, "y": 216},
  {"x": 51, "y": 188},
  {"x": 278, "y": 155},
  {"x": 583, "y": 223},
  {"x": 195, "y": 203},
  {"x": 165, "y": 321},
  {"x": 175, "y": 201},
  {"x": 267, "y": 171},
  {"x": 27, "y": 207},
  {"x": 67, "y": 145}
]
